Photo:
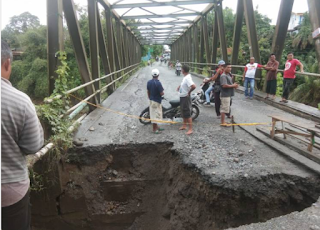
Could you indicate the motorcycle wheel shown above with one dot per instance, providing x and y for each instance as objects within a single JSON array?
[
  {"x": 145, "y": 114},
  {"x": 195, "y": 112}
]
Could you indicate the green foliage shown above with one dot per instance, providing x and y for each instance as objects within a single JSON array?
[
  {"x": 303, "y": 39},
  {"x": 52, "y": 114},
  {"x": 35, "y": 83},
  {"x": 279, "y": 84},
  {"x": 34, "y": 43},
  {"x": 21, "y": 23},
  {"x": 307, "y": 92},
  {"x": 157, "y": 50}
]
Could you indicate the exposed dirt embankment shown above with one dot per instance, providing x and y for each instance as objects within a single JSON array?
[{"x": 149, "y": 186}]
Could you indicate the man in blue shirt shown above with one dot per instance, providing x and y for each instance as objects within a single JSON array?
[{"x": 155, "y": 93}]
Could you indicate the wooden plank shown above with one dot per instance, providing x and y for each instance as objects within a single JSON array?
[
  {"x": 273, "y": 128},
  {"x": 296, "y": 123},
  {"x": 305, "y": 131},
  {"x": 304, "y": 140},
  {"x": 291, "y": 132},
  {"x": 309, "y": 155}
]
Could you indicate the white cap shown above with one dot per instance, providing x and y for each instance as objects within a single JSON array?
[{"x": 155, "y": 73}]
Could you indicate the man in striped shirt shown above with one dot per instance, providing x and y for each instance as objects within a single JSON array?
[{"x": 21, "y": 134}]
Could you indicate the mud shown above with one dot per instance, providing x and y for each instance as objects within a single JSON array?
[{"x": 151, "y": 186}]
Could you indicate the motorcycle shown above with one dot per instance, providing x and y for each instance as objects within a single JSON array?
[
  {"x": 201, "y": 93},
  {"x": 173, "y": 111},
  {"x": 178, "y": 70}
]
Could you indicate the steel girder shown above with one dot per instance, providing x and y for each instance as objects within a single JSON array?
[{"x": 281, "y": 29}]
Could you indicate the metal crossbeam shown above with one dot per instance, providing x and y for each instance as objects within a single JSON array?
[
  {"x": 159, "y": 23},
  {"x": 169, "y": 28},
  {"x": 160, "y": 16},
  {"x": 155, "y": 4}
]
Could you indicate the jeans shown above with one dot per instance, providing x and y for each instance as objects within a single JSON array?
[
  {"x": 207, "y": 93},
  {"x": 287, "y": 82},
  {"x": 246, "y": 81}
]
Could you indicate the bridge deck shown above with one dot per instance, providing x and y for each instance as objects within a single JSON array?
[
  {"x": 110, "y": 128},
  {"x": 214, "y": 150}
]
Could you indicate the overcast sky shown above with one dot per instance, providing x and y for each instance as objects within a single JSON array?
[{"x": 10, "y": 8}]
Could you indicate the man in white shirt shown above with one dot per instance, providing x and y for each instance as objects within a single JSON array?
[
  {"x": 185, "y": 89},
  {"x": 248, "y": 77}
]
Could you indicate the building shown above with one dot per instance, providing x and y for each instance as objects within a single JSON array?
[{"x": 295, "y": 20}]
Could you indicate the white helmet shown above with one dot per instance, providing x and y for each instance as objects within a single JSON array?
[{"x": 155, "y": 73}]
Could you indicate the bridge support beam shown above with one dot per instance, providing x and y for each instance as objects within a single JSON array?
[
  {"x": 252, "y": 31},
  {"x": 196, "y": 42},
  {"x": 103, "y": 48},
  {"x": 201, "y": 59},
  {"x": 79, "y": 50},
  {"x": 215, "y": 38},
  {"x": 314, "y": 10},
  {"x": 116, "y": 49},
  {"x": 237, "y": 33},
  {"x": 124, "y": 46},
  {"x": 118, "y": 42},
  {"x": 55, "y": 38},
  {"x": 189, "y": 45},
  {"x": 252, "y": 37},
  {"x": 223, "y": 44},
  {"x": 206, "y": 38},
  {"x": 110, "y": 46},
  {"x": 281, "y": 28},
  {"x": 94, "y": 47}
]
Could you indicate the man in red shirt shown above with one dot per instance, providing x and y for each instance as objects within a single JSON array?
[{"x": 289, "y": 75}]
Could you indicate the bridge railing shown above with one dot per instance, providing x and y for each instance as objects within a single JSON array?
[{"x": 76, "y": 109}]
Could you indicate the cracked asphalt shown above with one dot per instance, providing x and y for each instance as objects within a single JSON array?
[{"x": 215, "y": 151}]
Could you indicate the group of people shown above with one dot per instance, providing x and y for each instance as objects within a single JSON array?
[
  {"x": 156, "y": 91},
  {"x": 249, "y": 79},
  {"x": 223, "y": 87},
  {"x": 224, "y": 90},
  {"x": 272, "y": 68}
]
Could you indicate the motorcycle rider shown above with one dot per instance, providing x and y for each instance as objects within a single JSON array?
[
  {"x": 178, "y": 67},
  {"x": 217, "y": 88},
  {"x": 155, "y": 93},
  {"x": 208, "y": 91}
]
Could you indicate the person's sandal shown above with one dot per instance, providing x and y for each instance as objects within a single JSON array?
[
  {"x": 160, "y": 129},
  {"x": 157, "y": 131},
  {"x": 266, "y": 97}
]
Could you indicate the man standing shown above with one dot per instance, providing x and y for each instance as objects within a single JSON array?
[
  {"x": 185, "y": 89},
  {"x": 155, "y": 93},
  {"x": 289, "y": 75},
  {"x": 248, "y": 77},
  {"x": 215, "y": 77},
  {"x": 227, "y": 91},
  {"x": 272, "y": 67},
  {"x": 178, "y": 68},
  {"x": 21, "y": 134}
]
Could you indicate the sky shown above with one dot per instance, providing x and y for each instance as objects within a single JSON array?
[{"x": 10, "y": 8}]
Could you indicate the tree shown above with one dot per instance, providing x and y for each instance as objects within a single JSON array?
[
  {"x": 307, "y": 92},
  {"x": 303, "y": 39},
  {"x": 21, "y": 23}
]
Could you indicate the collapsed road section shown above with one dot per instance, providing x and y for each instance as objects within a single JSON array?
[{"x": 151, "y": 186}]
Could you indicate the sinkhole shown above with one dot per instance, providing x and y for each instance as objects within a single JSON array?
[{"x": 149, "y": 187}]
